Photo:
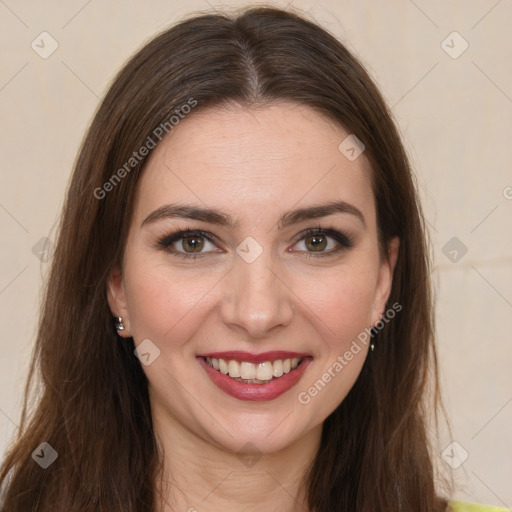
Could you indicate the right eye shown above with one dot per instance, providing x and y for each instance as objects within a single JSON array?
[{"x": 190, "y": 241}]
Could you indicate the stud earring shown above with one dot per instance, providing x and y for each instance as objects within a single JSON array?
[{"x": 119, "y": 324}]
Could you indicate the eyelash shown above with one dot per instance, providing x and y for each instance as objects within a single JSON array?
[{"x": 345, "y": 241}]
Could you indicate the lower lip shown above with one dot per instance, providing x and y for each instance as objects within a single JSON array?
[{"x": 255, "y": 392}]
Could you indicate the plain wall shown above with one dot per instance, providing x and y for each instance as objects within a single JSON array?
[{"x": 454, "y": 112}]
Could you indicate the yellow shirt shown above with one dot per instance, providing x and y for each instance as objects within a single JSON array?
[{"x": 459, "y": 506}]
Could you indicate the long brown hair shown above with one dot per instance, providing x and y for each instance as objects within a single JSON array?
[{"x": 92, "y": 402}]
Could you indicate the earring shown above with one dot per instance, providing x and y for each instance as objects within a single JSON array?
[
  {"x": 119, "y": 324},
  {"x": 373, "y": 332}
]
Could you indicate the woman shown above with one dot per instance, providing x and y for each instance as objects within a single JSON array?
[{"x": 238, "y": 314}]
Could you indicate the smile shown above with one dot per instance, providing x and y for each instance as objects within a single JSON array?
[
  {"x": 251, "y": 373},
  {"x": 252, "y": 377}
]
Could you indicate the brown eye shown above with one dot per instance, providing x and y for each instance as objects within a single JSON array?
[
  {"x": 323, "y": 242},
  {"x": 188, "y": 243},
  {"x": 193, "y": 242},
  {"x": 316, "y": 242}
]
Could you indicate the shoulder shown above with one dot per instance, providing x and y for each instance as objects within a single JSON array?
[{"x": 459, "y": 506}]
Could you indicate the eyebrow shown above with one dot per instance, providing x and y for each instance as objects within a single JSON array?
[{"x": 223, "y": 219}]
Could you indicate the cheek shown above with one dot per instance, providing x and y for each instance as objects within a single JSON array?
[
  {"x": 342, "y": 316},
  {"x": 342, "y": 303},
  {"x": 163, "y": 307}
]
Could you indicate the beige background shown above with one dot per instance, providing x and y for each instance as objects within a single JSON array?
[{"x": 455, "y": 115}]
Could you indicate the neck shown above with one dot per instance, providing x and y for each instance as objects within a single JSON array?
[{"x": 199, "y": 476}]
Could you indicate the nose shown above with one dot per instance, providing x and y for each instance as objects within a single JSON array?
[{"x": 256, "y": 297}]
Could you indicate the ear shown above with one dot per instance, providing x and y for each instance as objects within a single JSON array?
[
  {"x": 385, "y": 279},
  {"x": 117, "y": 300}
]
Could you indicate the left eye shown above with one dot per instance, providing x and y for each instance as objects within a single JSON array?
[{"x": 316, "y": 241}]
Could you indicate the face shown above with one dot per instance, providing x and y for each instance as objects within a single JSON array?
[{"x": 241, "y": 284}]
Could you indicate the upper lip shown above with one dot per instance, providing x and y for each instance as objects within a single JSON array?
[{"x": 239, "y": 355}]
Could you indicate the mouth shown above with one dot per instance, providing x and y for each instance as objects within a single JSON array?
[
  {"x": 255, "y": 377},
  {"x": 254, "y": 373}
]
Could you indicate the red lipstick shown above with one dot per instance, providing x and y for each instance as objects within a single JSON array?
[{"x": 255, "y": 392}]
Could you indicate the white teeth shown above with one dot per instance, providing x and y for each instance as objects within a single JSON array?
[
  {"x": 223, "y": 366},
  {"x": 264, "y": 371},
  {"x": 254, "y": 372},
  {"x": 234, "y": 369},
  {"x": 278, "y": 368},
  {"x": 247, "y": 370}
]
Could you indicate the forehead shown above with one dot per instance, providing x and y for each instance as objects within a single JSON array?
[{"x": 268, "y": 159}]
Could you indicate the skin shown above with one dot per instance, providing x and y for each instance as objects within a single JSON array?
[{"x": 253, "y": 165}]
